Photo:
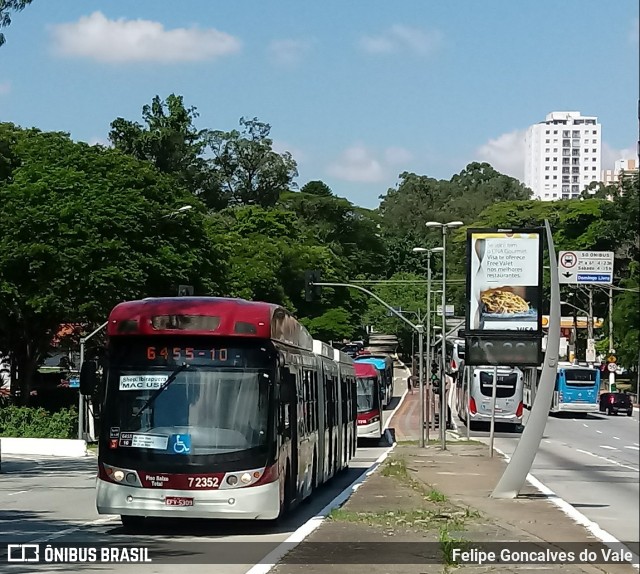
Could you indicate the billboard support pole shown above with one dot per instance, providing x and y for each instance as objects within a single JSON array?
[
  {"x": 469, "y": 374},
  {"x": 515, "y": 475},
  {"x": 492, "y": 428}
]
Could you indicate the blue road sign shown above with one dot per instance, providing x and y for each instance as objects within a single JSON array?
[{"x": 594, "y": 278}]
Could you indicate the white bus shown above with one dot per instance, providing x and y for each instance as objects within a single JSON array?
[{"x": 476, "y": 394}]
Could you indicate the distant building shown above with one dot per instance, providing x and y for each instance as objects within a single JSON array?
[
  {"x": 562, "y": 155},
  {"x": 623, "y": 168}
]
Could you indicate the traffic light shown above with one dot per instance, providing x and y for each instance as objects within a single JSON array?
[
  {"x": 311, "y": 291},
  {"x": 435, "y": 379}
]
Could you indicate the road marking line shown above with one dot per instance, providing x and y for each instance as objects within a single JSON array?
[
  {"x": 610, "y": 461},
  {"x": 584, "y": 425},
  {"x": 592, "y": 527},
  {"x": 18, "y": 492},
  {"x": 599, "y": 431},
  {"x": 633, "y": 447},
  {"x": 617, "y": 437},
  {"x": 277, "y": 554},
  {"x": 608, "y": 447}
]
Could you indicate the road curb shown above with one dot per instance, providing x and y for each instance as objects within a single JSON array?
[
  {"x": 43, "y": 446},
  {"x": 574, "y": 514},
  {"x": 272, "y": 559}
]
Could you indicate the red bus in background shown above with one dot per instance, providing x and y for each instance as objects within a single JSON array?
[
  {"x": 216, "y": 408},
  {"x": 370, "y": 398}
]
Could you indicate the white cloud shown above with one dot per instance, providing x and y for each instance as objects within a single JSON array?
[
  {"x": 610, "y": 155},
  {"x": 505, "y": 153},
  {"x": 397, "y": 155},
  {"x": 399, "y": 38},
  {"x": 357, "y": 164},
  {"x": 288, "y": 52},
  {"x": 5, "y": 88},
  {"x": 296, "y": 153},
  {"x": 97, "y": 38}
]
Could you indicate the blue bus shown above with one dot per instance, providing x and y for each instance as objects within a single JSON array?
[
  {"x": 385, "y": 366},
  {"x": 577, "y": 389}
]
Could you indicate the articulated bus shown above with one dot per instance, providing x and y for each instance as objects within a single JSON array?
[
  {"x": 217, "y": 408},
  {"x": 370, "y": 394},
  {"x": 576, "y": 389},
  {"x": 384, "y": 364}
]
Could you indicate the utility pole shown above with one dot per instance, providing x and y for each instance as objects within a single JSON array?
[
  {"x": 81, "y": 398},
  {"x": 612, "y": 375}
]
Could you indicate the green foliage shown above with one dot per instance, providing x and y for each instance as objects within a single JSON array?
[
  {"x": 6, "y": 7},
  {"x": 84, "y": 228},
  {"x": 248, "y": 169},
  {"x": 26, "y": 422}
]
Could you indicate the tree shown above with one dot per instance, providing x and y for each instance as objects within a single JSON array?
[
  {"x": 6, "y": 7},
  {"x": 171, "y": 142},
  {"x": 410, "y": 296},
  {"x": 248, "y": 169},
  {"x": 84, "y": 228},
  {"x": 317, "y": 187}
]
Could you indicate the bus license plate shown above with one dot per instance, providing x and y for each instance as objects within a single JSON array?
[{"x": 178, "y": 501}]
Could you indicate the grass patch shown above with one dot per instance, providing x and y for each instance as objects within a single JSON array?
[
  {"x": 436, "y": 496},
  {"x": 448, "y": 544},
  {"x": 420, "y": 519}
]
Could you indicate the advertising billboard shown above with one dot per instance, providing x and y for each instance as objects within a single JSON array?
[
  {"x": 504, "y": 296},
  {"x": 504, "y": 281}
]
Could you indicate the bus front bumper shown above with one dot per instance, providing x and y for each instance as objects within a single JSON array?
[
  {"x": 371, "y": 430},
  {"x": 249, "y": 503}
]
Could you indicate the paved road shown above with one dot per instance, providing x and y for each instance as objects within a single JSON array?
[
  {"x": 591, "y": 463},
  {"x": 48, "y": 500}
]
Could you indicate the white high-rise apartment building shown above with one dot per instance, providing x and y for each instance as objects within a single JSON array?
[{"x": 562, "y": 155}]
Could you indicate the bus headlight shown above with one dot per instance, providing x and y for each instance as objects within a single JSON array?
[
  {"x": 118, "y": 475},
  {"x": 245, "y": 478}
]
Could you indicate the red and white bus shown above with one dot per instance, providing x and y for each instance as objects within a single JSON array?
[
  {"x": 370, "y": 398},
  {"x": 216, "y": 408}
]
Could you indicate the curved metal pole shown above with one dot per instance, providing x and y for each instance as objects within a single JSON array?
[{"x": 520, "y": 464}]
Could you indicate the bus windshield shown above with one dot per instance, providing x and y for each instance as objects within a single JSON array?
[
  {"x": 217, "y": 405},
  {"x": 367, "y": 397},
  {"x": 222, "y": 410}
]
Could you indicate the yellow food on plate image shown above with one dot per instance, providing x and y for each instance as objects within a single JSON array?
[{"x": 497, "y": 301}]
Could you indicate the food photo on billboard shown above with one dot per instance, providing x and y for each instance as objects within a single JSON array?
[{"x": 504, "y": 280}]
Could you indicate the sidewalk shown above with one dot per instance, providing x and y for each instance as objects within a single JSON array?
[
  {"x": 422, "y": 503},
  {"x": 406, "y": 421}
]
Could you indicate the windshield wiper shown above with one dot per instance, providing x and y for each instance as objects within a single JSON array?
[{"x": 158, "y": 391}]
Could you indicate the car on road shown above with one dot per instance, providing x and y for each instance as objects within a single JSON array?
[{"x": 614, "y": 403}]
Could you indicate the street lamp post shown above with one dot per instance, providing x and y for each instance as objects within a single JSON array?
[
  {"x": 423, "y": 402},
  {"x": 443, "y": 393}
]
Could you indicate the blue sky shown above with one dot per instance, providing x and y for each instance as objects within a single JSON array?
[{"x": 358, "y": 92}]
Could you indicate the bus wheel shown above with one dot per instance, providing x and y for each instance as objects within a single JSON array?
[{"x": 132, "y": 522}]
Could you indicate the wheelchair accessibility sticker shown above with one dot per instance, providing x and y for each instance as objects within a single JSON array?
[{"x": 180, "y": 444}]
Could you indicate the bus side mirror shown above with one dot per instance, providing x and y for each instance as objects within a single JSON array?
[{"x": 88, "y": 378}]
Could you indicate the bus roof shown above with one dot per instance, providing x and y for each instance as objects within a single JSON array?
[
  {"x": 219, "y": 316},
  {"x": 375, "y": 361},
  {"x": 365, "y": 370}
]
